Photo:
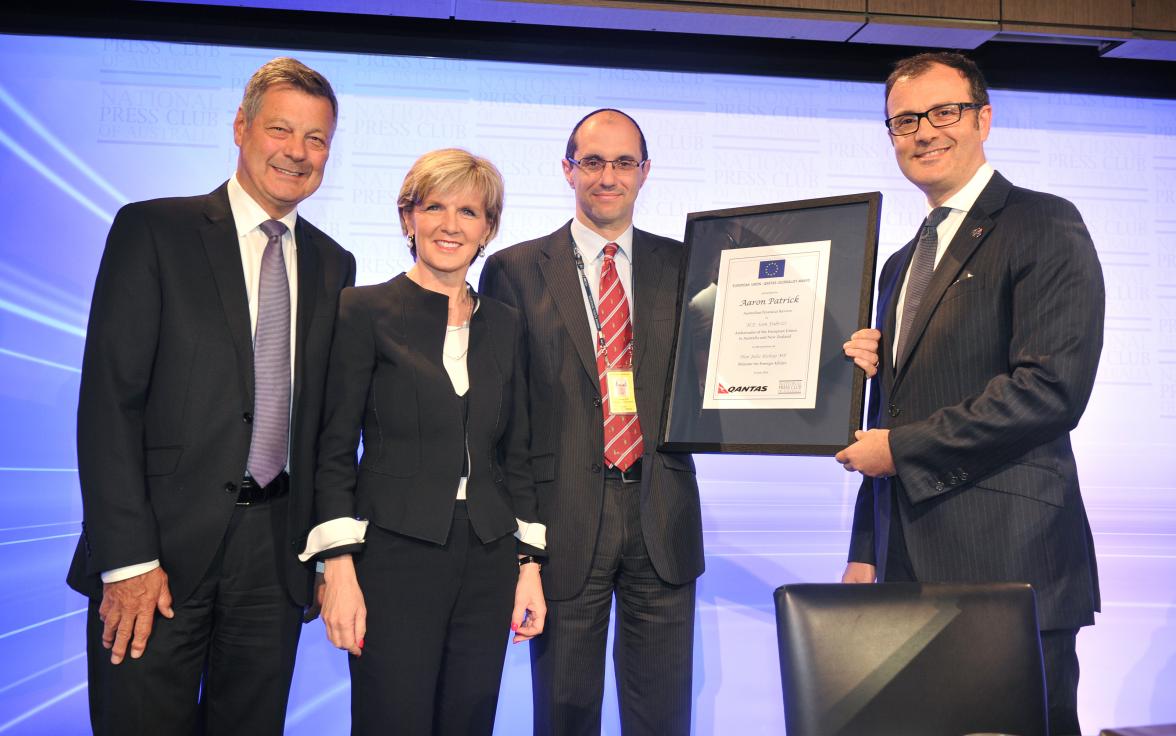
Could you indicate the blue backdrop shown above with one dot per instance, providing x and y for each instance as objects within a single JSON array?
[{"x": 88, "y": 125}]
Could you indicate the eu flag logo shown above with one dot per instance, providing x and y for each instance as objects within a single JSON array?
[{"x": 771, "y": 269}]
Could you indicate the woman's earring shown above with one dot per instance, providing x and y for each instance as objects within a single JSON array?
[
  {"x": 411, "y": 241},
  {"x": 481, "y": 251}
]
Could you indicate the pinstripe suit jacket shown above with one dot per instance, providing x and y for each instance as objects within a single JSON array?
[
  {"x": 540, "y": 279},
  {"x": 1001, "y": 361}
]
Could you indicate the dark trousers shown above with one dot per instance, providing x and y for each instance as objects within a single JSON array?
[
  {"x": 438, "y": 622},
  {"x": 1061, "y": 680},
  {"x": 652, "y": 650},
  {"x": 1057, "y": 645},
  {"x": 223, "y": 664}
]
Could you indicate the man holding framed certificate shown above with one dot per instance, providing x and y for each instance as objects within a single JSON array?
[{"x": 992, "y": 321}]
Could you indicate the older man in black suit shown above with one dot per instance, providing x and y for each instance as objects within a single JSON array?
[
  {"x": 992, "y": 321},
  {"x": 201, "y": 396},
  {"x": 598, "y": 299}
]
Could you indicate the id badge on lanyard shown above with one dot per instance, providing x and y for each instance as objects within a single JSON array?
[{"x": 622, "y": 394}]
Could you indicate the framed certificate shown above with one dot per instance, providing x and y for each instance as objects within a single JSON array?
[{"x": 767, "y": 297}]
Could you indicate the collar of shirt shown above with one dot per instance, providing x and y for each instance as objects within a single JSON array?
[
  {"x": 591, "y": 243},
  {"x": 591, "y": 246},
  {"x": 248, "y": 214},
  {"x": 960, "y": 204}
]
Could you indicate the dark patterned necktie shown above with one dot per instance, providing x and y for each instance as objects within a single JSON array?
[
  {"x": 271, "y": 362},
  {"x": 623, "y": 443},
  {"x": 922, "y": 267}
]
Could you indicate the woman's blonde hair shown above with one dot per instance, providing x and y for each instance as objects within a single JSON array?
[{"x": 452, "y": 170}]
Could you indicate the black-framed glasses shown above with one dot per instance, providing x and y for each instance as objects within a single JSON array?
[
  {"x": 939, "y": 116},
  {"x": 596, "y": 164}
]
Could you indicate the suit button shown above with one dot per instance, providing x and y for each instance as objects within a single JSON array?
[
  {"x": 894, "y": 410},
  {"x": 596, "y": 402},
  {"x": 963, "y": 476},
  {"x": 247, "y": 417},
  {"x": 595, "y": 467},
  {"x": 230, "y": 487},
  {"x": 939, "y": 485},
  {"x": 951, "y": 479}
]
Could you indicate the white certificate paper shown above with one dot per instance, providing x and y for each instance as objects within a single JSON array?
[{"x": 766, "y": 336}]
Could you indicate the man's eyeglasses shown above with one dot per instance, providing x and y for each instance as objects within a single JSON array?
[
  {"x": 596, "y": 164},
  {"x": 940, "y": 116}
]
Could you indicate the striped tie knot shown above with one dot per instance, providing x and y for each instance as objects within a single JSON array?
[{"x": 935, "y": 217}]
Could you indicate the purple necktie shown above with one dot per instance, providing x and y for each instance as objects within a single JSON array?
[
  {"x": 271, "y": 363},
  {"x": 922, "y": 267}
]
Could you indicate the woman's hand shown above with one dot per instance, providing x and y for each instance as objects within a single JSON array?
[
  {"x": 344, "y": 613},
  {"x": 530, "y": 609}
]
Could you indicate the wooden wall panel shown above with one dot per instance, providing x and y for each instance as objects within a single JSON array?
[
  {"x": 844, "y": 6},
  {"x": 1155, "y": 15},
  {"x": 965, "y": 9},
  {"x": 1098, "y": 13}
]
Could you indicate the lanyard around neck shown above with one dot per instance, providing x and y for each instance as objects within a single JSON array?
[
  {"x": 588, "y": 293},
  {"x": 591, "y": 300}
]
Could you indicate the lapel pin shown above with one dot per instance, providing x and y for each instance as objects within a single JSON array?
[{"x": 977, "y": 232}]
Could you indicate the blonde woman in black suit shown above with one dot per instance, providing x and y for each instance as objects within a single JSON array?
[{"x": 432, "y": 540}]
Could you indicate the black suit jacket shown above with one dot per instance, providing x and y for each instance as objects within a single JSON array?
[
  {"x": 167, "y": 390},
  {"x": 1001, "y": 361},
  {"x": 388, "y": 380},
  {"x": 539, "y": 277}
]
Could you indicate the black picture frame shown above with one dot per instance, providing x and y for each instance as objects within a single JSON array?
[{"x": 851, "y": 223}]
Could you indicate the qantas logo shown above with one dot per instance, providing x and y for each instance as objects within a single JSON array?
[{"x": 740, "y": 389}]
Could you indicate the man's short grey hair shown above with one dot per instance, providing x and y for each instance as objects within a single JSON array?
[{"x": 285, "y": 72}]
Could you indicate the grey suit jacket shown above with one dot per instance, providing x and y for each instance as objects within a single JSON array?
[
  {"x": 540, "y": 279},
  {"x": 1001, "y": 362},
  {"x": 166, "y": 395}
]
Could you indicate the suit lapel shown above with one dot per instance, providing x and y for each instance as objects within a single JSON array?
[
  {"x": 648, "y": 269},
  {"x": 563, "y": 282},
  {"x": 308, "y": 291},
  {"x": 973, "y": 231},
  {"x": 224, "y": 255}
]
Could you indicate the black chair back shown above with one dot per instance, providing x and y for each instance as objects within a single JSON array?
[{"x": 910, "y": 659}]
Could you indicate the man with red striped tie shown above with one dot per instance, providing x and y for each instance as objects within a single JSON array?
[{"x": 598, "y": 299}]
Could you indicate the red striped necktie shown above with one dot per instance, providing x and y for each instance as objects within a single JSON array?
[{"x": 623, "y": 443}]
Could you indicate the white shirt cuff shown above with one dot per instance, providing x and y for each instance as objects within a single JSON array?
[
  {"x": 334, "y": 533},
  {"x": 128, "y": 572},
  {"x": 532, "y": 533}
]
